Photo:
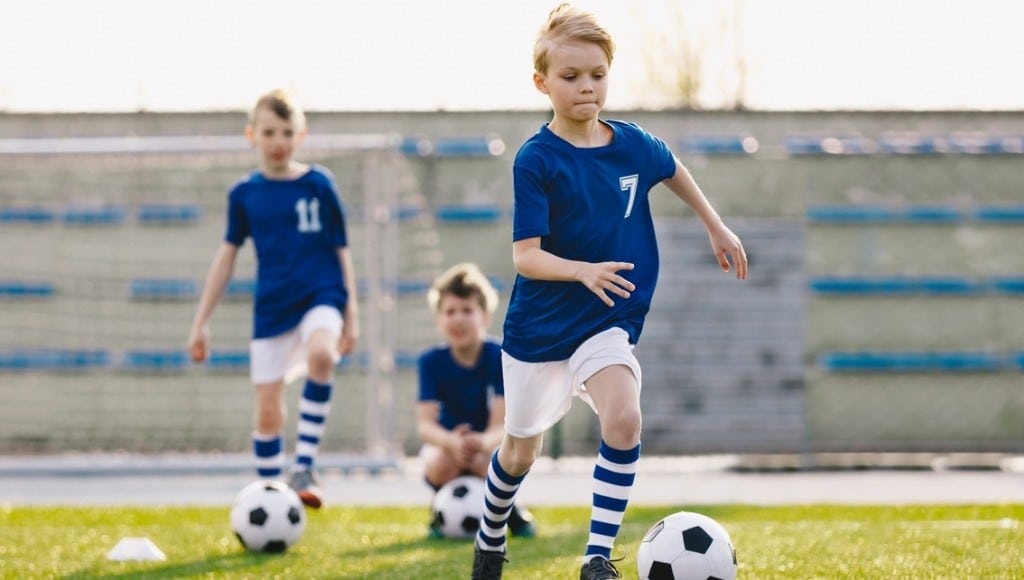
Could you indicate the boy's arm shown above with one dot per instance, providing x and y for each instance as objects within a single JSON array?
[
  {"x": 350, "y": 327},
  {"x": 533, "y": 262},
  {"x": 217, "y": 278},
  {"x": 724, "y": 243}
]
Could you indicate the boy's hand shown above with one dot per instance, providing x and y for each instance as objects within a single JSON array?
[
  {"x": 601, "y": 278},
  {"x": 725, "y": 245},
  {"x": 197, "y": 343},
  {"x": 346, "y": 342},
  {"x": 464, "y": 445}
]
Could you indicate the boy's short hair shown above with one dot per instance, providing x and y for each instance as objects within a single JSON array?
[
  {"x": 281, "y": 104},
  {"x": 566, "y": 22},
  {"x": 464, "y": 280}
]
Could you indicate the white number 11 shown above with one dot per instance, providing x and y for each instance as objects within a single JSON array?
[
  {"x": 629, "y": 182},
  {"x": 309, "y": 215}
]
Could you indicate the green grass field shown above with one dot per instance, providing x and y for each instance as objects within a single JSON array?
[{"x": 955, "y": 542}]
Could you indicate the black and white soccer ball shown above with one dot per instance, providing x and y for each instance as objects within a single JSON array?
[
  {"x": 268, "y": 516},
  {"x": 686, "y": 546},
  {"x": 458, "y": 507}
]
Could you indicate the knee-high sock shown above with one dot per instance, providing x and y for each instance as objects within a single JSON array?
[
  {"x": 268, "y": 451},
  {"x": 499, "y": 494},
  {"x": 314, "y": 407},
  {"x": 614, "y": 474}
]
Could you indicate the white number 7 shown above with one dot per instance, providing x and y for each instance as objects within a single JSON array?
[{"x": 629, "y": 182}]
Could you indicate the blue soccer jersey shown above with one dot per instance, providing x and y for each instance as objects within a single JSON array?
[
  {"x": 586, "y": 204},
  {"x": 464, "y": 393},
  {"x": 297, "y": 226}
]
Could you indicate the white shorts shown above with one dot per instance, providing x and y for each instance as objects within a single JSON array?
[
  {"x": 538, "y": 395},
  {"x": 284, "y": 356}
]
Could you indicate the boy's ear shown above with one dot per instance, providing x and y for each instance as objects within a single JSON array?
[
  {"x": 250, "y": 134},
  {"x": 540, "y": 82}
]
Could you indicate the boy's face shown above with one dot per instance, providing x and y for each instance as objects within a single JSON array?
[
  {"x": 275, "y": 138},
  {"x": 462, "y": 321},
  {"x": 576, "y": 80}
]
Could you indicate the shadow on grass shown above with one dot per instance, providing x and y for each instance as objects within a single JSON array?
[{"x": 224, "y": 563}]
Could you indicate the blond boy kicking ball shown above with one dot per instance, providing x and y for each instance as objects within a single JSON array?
[{"x": 586, "y": 259}]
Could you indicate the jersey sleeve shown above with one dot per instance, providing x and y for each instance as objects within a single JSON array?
[
  {"x": 335, "y": 212},
  {"x": 496, "y": 371},
  {"x": 662, "y": 159},
  {"x": 238, "y": 221},
  {"x": 530, "y": 201},
  {"x": 427, "y": 379}
]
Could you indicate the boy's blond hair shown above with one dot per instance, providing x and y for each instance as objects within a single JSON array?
[
  {"x": 566, "y": 23},
  {"x": 281, "y": 104},
  {"x": 464, "y": 280}
]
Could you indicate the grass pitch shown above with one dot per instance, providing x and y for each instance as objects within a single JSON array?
[{"x": 828, "y": 542}]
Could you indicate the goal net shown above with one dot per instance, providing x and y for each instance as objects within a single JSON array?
[{"x": 106, "y": 242}]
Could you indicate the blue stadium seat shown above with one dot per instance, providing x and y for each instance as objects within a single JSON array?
[
  {"x": 240, "y": 289},
  {"x": 718, "y": 145},
  {"x": 168, "y": 214},
  {"x": 27, "y": 215},
  {"x": 984, "y": 144},
  {"x": 849, "y": 214},
  {"x": 829, "y": 145},
  {"x": 407, "y": 286},
  {"x": 476, "y": 146},
  {"x": 19, "y": 289},
  {"x": 874, "y": 214},
  {"x": 912, "y": 144},
  {"x": 880, "y": 362},
  {"x": 406, "y": 359},
  {"x": 228, "y": 360},
  {"x": 104, "y": 215},
  {"x": 155, "y": 360},
  {"x": 475, "y": 213},
  {"x": 1009, "y": 284},
  {"x": 1017, "y": 359},
  {"x": 894, "y": 285},
  {"x": 934, "y": 214},
  {"x": 53, "y": 359},
  {"x": 407, "y": 211},
  {"x": 163, "y": 289},
  {"x": 1000, "y": 214}
]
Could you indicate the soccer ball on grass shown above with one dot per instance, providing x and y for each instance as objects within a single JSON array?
[
  {"x": 686, "y": 546},
  {"x": 267, "y": 516},
  {"x": 458, "y": 507}
]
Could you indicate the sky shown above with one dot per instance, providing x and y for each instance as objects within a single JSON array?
[{"x": 189, "y": 55}]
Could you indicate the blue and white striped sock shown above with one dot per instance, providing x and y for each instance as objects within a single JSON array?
[
  {"x": 314, "y": 406},
  {"x": 499, "y": 494},
  {"x": 269, "y": 454},
  {"x": 614, "y": 474}
]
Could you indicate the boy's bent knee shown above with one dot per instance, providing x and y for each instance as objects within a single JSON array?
[
  {"x": 518, "y": 455},
  {"x": 320, "y": 360},
  {"x": 622, "y": 428}
]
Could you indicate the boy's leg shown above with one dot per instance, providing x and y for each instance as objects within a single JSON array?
[
  {"x": 614, "y": 391},
  {"x": 438, "y": 469},
  {"x": 520, "y": 520},
  {"x": 501, "y": 486},
  {"x": 267, "y": 437},
  {"x": 314, "y": 408}
]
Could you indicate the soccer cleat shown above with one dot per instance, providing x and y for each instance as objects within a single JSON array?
[
  {"x": 306, "y": 485},
  {"x": 520, "y": 523},
  {"x": 599, "y": 568},
  {"x": 487, "y": 564}
]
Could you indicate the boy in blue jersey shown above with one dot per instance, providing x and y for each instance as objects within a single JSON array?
[
  {"x": 586, "y": 258},
  {"x": 460, "y": 414},
  {"x": 304, "y": 310}
]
